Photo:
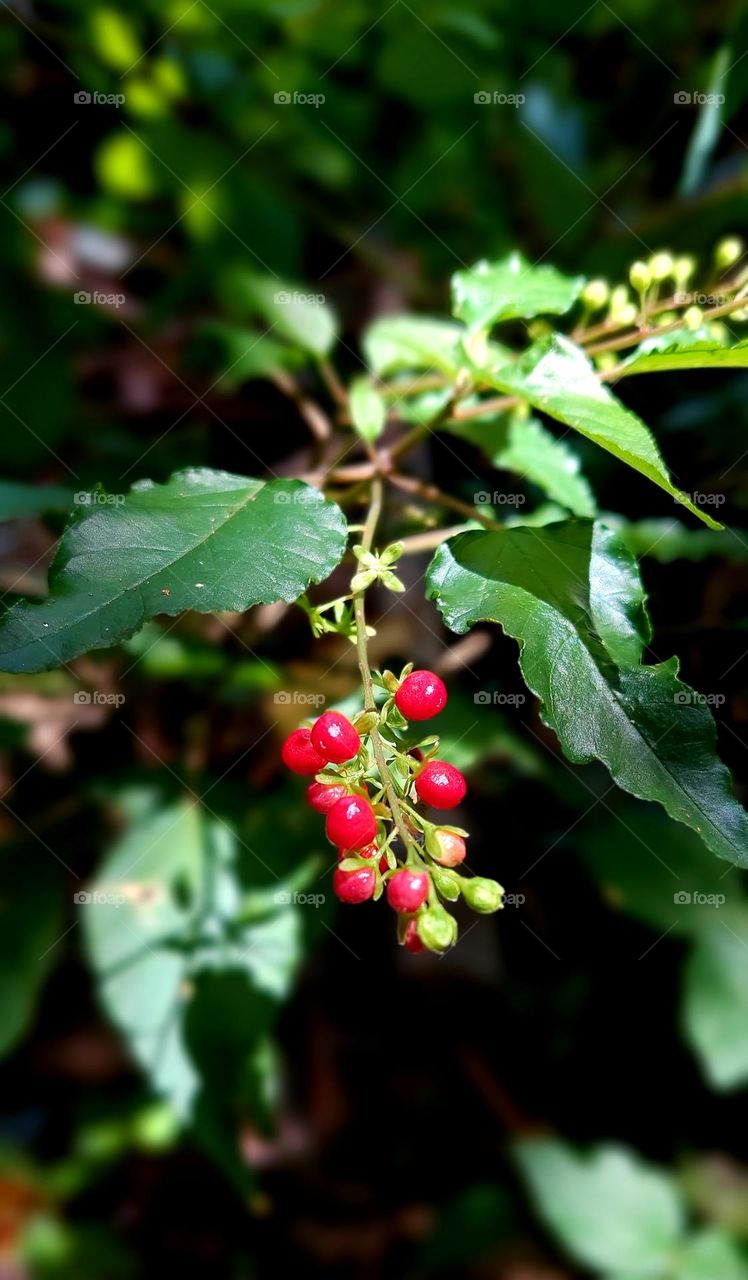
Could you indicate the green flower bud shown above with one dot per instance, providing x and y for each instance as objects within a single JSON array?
[
  {"x": 595, "y": 294},
  {"x": 437, "y": 929},
  {"x": 640, "y": 276},
  {"x": 605, "y": 360},
  {"x": 728, "y": 251},
  {"x": 683, "y": 269},
  {"x": 692, "y": 318},
  {"x": 483, "y": 895},
  {"x": 661, "y": 266},
  {"x": 448, "y": 884}
]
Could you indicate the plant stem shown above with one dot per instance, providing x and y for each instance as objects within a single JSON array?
[
  {"x": 430, "y": 493},
  {"x": 367, "y": 540}
]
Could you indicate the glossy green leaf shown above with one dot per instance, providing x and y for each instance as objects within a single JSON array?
[
  {"x": 556, "y": 377},
  {"x": 206, "y": 540},
  {"x": 608, "y": 1209},
  {"x": 397, "y": 344},
  {"x": 571, "y": 595},
  {"x": 715, "y": 1001},
  {"x": 524, "y": 446},
  {"x": 296, "y": 313},
  {"x": 511, "y": 289},
  {"x": 368, "y": 410},
  {"x": 678, "y": 356}
]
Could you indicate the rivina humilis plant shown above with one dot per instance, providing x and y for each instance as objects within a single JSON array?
[{"x": 528, "y": 350}]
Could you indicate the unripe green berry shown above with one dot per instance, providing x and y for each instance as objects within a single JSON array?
[
  {"x": 683, "y": 269},
  {"x": 483, "y": 895},
  {"x": 728, "y": 251},
  {"x": 448, "y": 883},
  {"x": 437, "y": 929}
]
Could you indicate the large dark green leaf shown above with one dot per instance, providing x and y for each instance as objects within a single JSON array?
[
  {"x": 511, "y": 289},
  {"x": 206, "y": 540},
  {"x": 572, "y": 596},
  {"x": 556, "y": 377}
]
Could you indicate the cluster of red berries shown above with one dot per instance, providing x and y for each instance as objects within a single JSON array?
[{"x": 358, "y": 806}]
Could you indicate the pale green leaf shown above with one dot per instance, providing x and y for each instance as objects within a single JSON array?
[{"x": 511, "y": 289}]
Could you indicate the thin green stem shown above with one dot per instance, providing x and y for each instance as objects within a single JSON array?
[{"x": 367, "y": 540}]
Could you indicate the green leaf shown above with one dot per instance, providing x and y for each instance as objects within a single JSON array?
[
  {"x": 524, "y": 446},
  {"x": 292, "y": 311},
  {"x": 711, "y": 1255},
  {"x": 205, "y": 540},
  {"x": 715, "y": 1002},
  {"x": 249, "y": 355},
  {"x": 30, "y": 925},
  {"x": 570, "y": 593},
  {"x": 368, "y": 410},
  {"x": 19, "y": 500},
  {"x": 608, "y": 1209},
  {"x": 511, "y": 289},
  {"x": 682, "y": 354},
  {"x": 667, "y": 540},
  {"x": 557, "y": 378},
  {"x": 169, "y": 906},
  {"x": 397, "y": 344}
]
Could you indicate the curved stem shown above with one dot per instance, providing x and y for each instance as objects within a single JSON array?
[{"x": 367, "y": 539}]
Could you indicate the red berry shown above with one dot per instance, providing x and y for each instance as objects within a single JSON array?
[
  {"x": 407, "y": 889},
  {"x": 351, "y": 823},
  {"x": 335, "y": 738},
  {"x": 354, "y": 886},
  {"x": 451, "y": 848},
  {"x": 421, "y": 696},
  {"x": 412, "y": 940},
  {"x": 322, "y": 795},
  {"x": 299, "y": 755},
  {"x": 440, "y": 785}
]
